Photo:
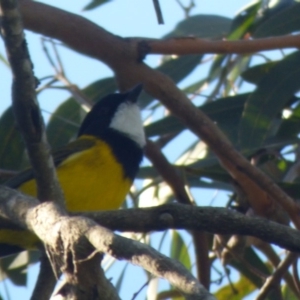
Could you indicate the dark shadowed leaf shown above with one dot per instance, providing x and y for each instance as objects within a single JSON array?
[
  {"x": 292, "y": 189},
  {"x": 252, "y": 259},
  {"x": 177, "y": 69},
  {"x": 283, "y": 22},
  {"x": 225, "y": 111},
  {"x": 12, "y": 146},
  {"x": 288, "y": 294},
  {"x": 256, "y": 74},
  {"x": 267, "y": 101},
  {"x": 204, "y": 26},
  {"x": 169, "y": 294},
  {"x": 14, "y": 267}
]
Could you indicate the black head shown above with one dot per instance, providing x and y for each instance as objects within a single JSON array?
[{"x": 98, "y": 120}]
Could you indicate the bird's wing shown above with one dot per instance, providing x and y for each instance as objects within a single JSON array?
[{"x": 58, "y": 156}]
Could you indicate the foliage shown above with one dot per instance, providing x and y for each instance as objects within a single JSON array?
[{"x": 252, "y": 98}]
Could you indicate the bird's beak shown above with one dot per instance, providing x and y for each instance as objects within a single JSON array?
[{"x": 134, "y": 93}]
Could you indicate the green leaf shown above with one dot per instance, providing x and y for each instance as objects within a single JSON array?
[
  {"x": 4, "y": 60},
  {"x": 289, "y": 129},
  {"x": 179, "y": 250},
  {"x": 243, "y": 22},
  {"x": 267, "y": 101},
  {"x": 169, "y": 294},
  {"x": 203, "y": 26},
  {"x": 253, "y": 260},
  {"x": 180, "y": 67},
  {"x": 292, "y": 189},
  {"x": 287, "y": 293},
  {"x": 242, "y": 288},
  {"x": 177, "y": 69},
  {"x": 65, "y": 121},
  {"x": 225, "y": 111},
  {"x": 95, "y": 3},
  {"x": 12, "y": 146},
  {"x": 283, "y": 22},
  {"x": 257, "y": 73},
  {"x": 14, "y": 267},
  {"x": 241, "y": 64}
]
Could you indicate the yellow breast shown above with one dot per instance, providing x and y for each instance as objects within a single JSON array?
[{"x": 91, "y": 180}]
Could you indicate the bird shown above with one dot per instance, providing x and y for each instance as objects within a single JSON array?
[{"x": 97, "y": 169}]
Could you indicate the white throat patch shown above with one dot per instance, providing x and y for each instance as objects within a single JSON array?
[{"x": 127, "y": 120}]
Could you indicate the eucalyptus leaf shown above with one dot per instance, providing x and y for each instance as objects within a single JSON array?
[
  {"x": 285, "y": 21},
  {"x": 226, "y": 112},
  {"x": 257, "y": 73},
  {"x": 12, "y": 146},
  {"x": 203, "y": 26},
  {"x": 177, "y": 69},
  {"x": 179, "y": 250},
  {"x": 242, "y": 288},
  {"x": 267, "y": 101}
]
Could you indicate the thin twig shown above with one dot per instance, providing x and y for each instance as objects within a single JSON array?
[
  {"x": 60, "y": 75},
  {"x": 140, "y": 289},
  {"x": 273, "y": 280},
  {"x": 211, "y": 219},
  {"x": 296, "y": 275},
  {"x": 158, "y": 12}
]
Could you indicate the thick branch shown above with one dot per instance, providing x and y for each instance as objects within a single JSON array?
[
  {"x": 193, "y": 45},
  {"x": 211, "y": 219},
  {"x": 25, "y": 104},
  {"x": 66, "y": 234},
  {"x": 216, "y": 220}
]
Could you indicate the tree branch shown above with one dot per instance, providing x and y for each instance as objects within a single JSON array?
[
  {"x": 274, "y": 280},
  {"x": 194, "y": 45},
  {"x": 217, "y": 220},
  {"x": 211, "y": 219},
  {"x": 25, "y": 105},
  {"x": 70, "y": 235}
]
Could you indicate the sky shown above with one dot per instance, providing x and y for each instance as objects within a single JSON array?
[{"x": 126, "y": 18}]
